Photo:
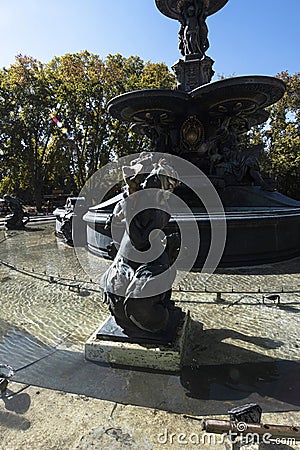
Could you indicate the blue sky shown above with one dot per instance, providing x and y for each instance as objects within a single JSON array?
[{"x": 246, "y": 36}]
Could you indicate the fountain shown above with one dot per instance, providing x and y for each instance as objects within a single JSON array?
[
  {"x": 202, "y": 122},
  {"x": 64, "y": 218}
]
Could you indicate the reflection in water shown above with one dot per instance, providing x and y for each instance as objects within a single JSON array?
[{"x": 278, "y": 380}]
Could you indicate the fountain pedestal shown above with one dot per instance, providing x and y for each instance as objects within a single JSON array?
[
  {"x": 190, "y": 70},
  {"x": 110, "y": 345}
]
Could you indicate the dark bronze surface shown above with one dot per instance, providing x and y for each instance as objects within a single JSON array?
[
  {"x": 171, "y": 8},
  {"x": 111, "y": 331}
]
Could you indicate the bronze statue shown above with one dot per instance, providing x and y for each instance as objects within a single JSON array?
[
  {"x": 193, "y": 32},
  {"x": 238, "y": 164},
  {"x": 68, "y": 215},
  {"x": 192, "y": 15},
  {"x": 137, "y": 286},
  {"x": 195, "y": 69},
  {"x": 19, "y": 218}
]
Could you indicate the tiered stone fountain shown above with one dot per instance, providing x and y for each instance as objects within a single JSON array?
[{"x": 202, "y": 122}]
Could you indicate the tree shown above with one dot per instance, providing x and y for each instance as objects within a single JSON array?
[
  {"x": 84, "y": 84},
  {"x": 282, "y": 138},
  {"x": 38, "y": 153},
  {"x": 26, "y": 131}
]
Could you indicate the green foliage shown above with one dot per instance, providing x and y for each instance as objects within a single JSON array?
[
  {"x": 25, "y": 127},
  {"x": 36, "y": 155},
  {"x": 282, "y": 138}
]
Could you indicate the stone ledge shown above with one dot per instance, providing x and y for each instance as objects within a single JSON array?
[{"x": 148, "y": 356}]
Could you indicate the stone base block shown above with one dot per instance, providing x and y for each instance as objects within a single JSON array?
[{"x": 146, "y": 355}]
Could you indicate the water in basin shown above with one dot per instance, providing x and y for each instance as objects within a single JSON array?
[{"x": 42, "y": 307}]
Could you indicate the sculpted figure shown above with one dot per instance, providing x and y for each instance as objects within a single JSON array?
[
  {"x": 68, "y": 216},
  {"x": 136, "y": 285},
  {"x": 238, "y": 162},
  {"x": 66, "y": 227},
  {"x": 193, "y": 31},
  {"x": 16, "y": 219},
  {"x": 244, "y": 164}
]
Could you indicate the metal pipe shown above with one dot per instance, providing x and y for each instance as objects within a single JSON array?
[{"x": 241, "y": 428}]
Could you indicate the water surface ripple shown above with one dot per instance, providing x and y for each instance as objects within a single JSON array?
[{"x": 38, "y": 313}]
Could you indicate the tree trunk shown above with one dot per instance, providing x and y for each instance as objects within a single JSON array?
[{"x": 38, "y": 196}]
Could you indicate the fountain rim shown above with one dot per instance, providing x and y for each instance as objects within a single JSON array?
[
  {"x": 251, "y": 212},
  {"x": 243, "y": 79},
  {"x": 117, "y": 105},
  {"x": 169, "y": 92},
  {"x": 156, "y": 98},
  {"x": 263, "y": 214},
  {"x": 227, "y": 82}
]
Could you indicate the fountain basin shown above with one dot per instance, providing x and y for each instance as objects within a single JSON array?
[
  {"x": 257, "y": 233},
  {"x": 246, "y": 95},
  {"x": 171, "y": 8}
]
